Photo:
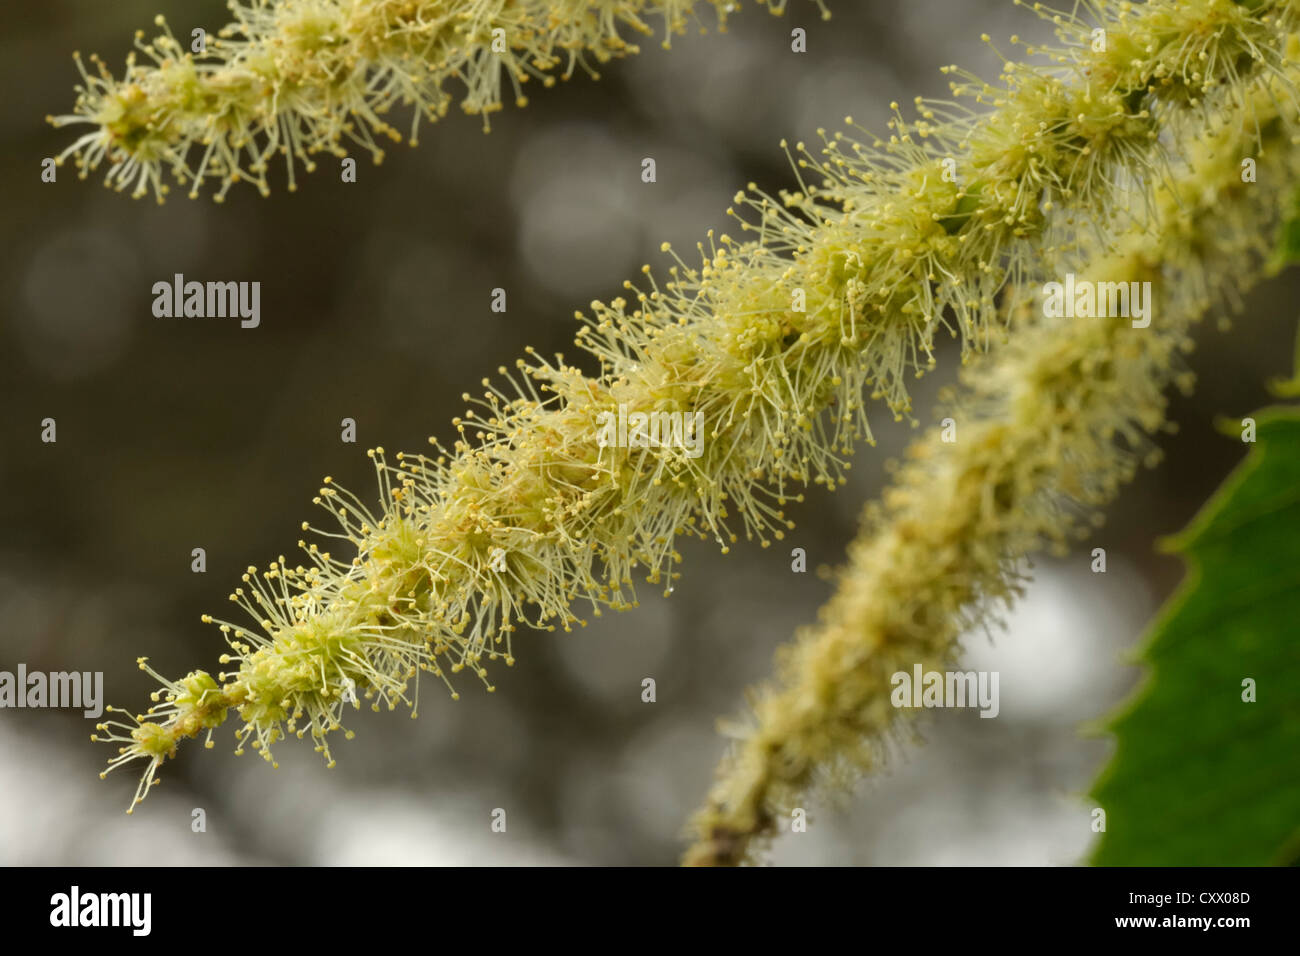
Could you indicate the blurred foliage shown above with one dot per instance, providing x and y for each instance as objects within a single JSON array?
[{"x": 1287, "y": 252}]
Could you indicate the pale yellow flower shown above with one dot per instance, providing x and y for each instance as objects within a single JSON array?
[{"x": 832, "y": 296}]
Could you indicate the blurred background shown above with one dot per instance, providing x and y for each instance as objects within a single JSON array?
[{"x": 375, "y": 306}]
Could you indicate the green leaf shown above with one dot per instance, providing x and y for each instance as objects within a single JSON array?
[
  {"x": 1199, "y": 776},
  {"x": 1286, "y": 248}
]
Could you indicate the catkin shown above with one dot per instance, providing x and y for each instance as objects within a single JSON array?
[
  {"x": 306, "y": 77},
  {"x": 832, "y": 297},
  {"x": 1047, "y": 428}
]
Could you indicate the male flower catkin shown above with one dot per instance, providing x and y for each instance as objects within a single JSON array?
[
  {"x": 302, "y": 77},
  {"x": 772, "y": 340},
  {"x": 1048, "y": 428}
]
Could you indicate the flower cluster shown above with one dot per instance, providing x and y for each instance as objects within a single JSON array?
[
  {"x": 832, "y": 296},
  {"x": 1048, "y": 428},
  {"x": 305, "y": 77}
]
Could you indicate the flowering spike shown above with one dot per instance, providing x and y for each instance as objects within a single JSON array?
[
  {"x": 312, "y": 77},
  {"x": 1051, "y": 424},
  {"x": 774, "y": 341}
]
